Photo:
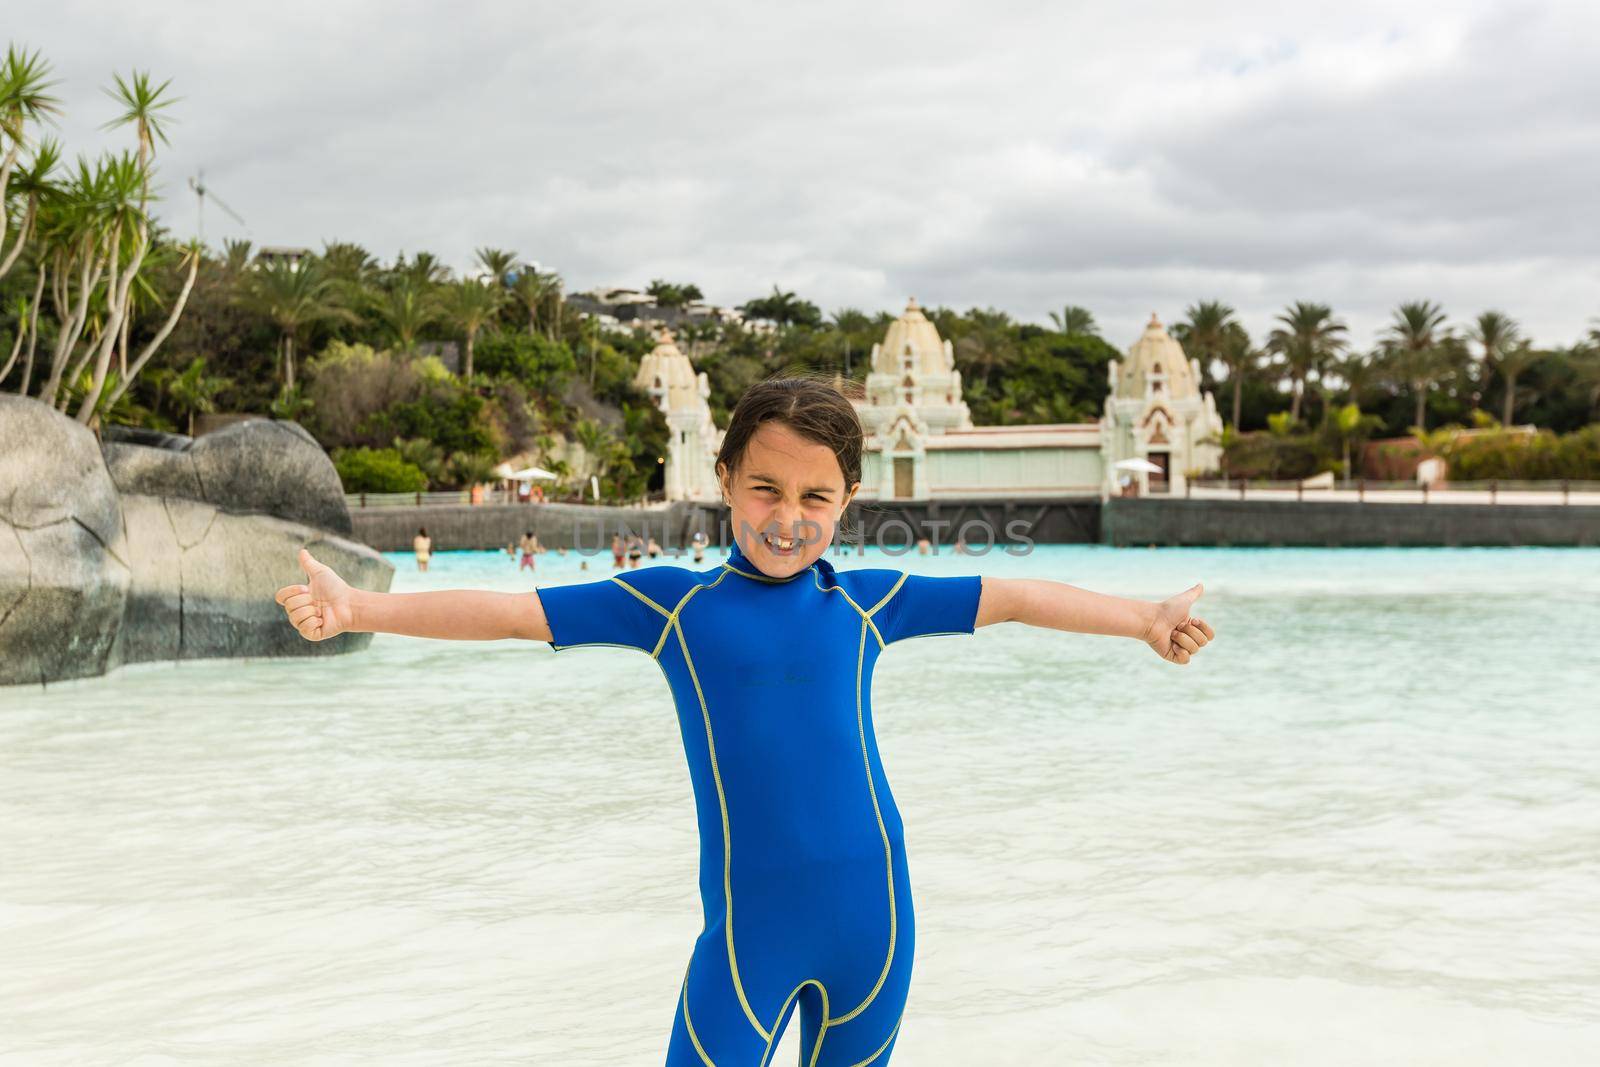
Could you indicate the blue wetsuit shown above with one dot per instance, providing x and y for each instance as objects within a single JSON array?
[{"x": 802, "y": 861}]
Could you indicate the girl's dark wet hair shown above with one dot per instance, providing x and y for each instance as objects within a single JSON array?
[{"x": 811, "y": 405}]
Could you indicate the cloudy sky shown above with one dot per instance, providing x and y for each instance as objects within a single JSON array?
[{"x": 1130, "y": 157}]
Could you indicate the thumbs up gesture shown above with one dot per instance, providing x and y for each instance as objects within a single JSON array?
[
  {"x": 1176, "y": 635},
  {"x": 320, "y": 609}
]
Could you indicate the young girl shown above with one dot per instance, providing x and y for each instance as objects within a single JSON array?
[{"x": 769, "y": 656}]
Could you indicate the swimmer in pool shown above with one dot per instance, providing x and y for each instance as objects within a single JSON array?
[{"x": 769, "y": 657}]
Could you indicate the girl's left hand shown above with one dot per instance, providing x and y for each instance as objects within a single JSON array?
[{"x": 1175, "y": 634}]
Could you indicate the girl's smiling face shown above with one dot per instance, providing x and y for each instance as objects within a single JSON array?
[{"x": 787, "y": 496}]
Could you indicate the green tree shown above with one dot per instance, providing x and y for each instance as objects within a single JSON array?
[
  {"x": 1308, "y": 340},
  {"x": 1075, "y": 319},
  {"x": 1415, "y": 351},
  {"x": 24, "y": 99},
  {"x": 192, "y": 390},
  {"x": 1204, "y": 333},
  {"x": 292, "y": 296},
  {"x": 377, "y": 470},
  {"x": 673, "y": 294},
  {"x": 783, "y": 309},
  {"x": 1506, "y": 353},
  {"x": 498, "y": 263},
  {"x": 1242, "y": 359},
  {"x": 540, "y": 294},
  {"x": 406, "y": 306},
  {"x": 469, "y": 306}
]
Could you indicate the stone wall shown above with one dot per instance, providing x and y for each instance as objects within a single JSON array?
[
  {"x": 1147, "y": 521},
  {"x": 490, "y": 526},
  {"x": 152, "y": 546}
]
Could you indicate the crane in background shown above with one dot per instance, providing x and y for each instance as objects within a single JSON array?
[{"x": 201, "y": 191}]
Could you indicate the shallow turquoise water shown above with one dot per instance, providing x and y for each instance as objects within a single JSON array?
[{"x": 1363, "y": 827}]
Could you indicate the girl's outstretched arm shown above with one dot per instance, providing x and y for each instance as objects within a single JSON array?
[
  {"x": 1167, "y": 627},
  {"x": 327, "y": 607}
]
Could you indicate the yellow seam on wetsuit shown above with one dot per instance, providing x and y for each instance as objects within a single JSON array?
[
  {"x": 672, "y": 617},
  {"x": 866, "y": 1062},
  {"x": 727, "y": 841},
  {"x": 693, "y": 1037},
  {"x": 640, "y": 595},
  {"x": 889, "y": 595},
  {"x": 888, "y": 851},
  {"x": 865, "y": 615},
  {"x": 822, "y": 1031}
]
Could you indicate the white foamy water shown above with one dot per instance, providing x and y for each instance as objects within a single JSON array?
[{"x": 1364, "y": 827}]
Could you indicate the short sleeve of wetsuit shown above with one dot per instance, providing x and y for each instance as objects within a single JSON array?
[
  {"x": 926, "y": 604},
  {"x": 605, "y": 612}
]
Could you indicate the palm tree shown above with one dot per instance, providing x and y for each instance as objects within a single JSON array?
[
  {"x": 193, "y": 253},
  {"x": 293, "y": 297},
  {"x": 1309, "y": 337},
  {"x": 1505, "y": 352},
  {"x": 1242, "y": 359},
  {"x": 784, "y": 309},
  {"x": 1075, "y": 319},
  {"x": 674, "y": 294},
  {"x": 32, "y": 184},
  {"x": 128, "y": 220},
  {"x": 24, "y": 98},
  {"x": 142, "y": 106},
  {"x": 1204, "y": 334},
  {"x": 597, "y": 442},
  {"x": 423, "y": 272},
  {"x": 348, "y": 264},
  {"x": 469, "y": 305},
  {"x": 192, "y": 390},
  {"x": 1416, "y": 352},
  {"x": 589, "y": 333},
  {"x": 497, "y": 262},
  {"x": 123, "y": 190},
  {"x": 990, "y": 345},
  {"x": 536, "y": 289},
  {"x": 1585, "y": 356},
  {"x": 236, "y": 256},
  {"x": 407, "y": 306},
  {"x": 1357, "y": 370}
]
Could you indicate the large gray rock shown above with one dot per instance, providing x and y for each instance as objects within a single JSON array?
[
  {"x": 153, "y": 471},
  {"x": 182, "y": 563},
  {"x": 63, "y": 560},
  {"x": 271, "y": 467},
  {"x": 203, "y": 582}
]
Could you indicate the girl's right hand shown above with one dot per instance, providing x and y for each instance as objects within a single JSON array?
[{"x": 321, "y": 609}]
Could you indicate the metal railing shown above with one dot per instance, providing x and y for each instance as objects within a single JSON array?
[
  {"x": 1364, "y": 491},
  {"x": 463, "y": 497}
]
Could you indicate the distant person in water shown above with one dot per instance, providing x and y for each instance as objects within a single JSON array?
[
  {"x": 652, "y": 548},
  {"x": 617, "y": 551},
  {"x": 530, "y": 544},
  {"x": 635, "y": 549},
  {"x": 422, "y": 545},
  {"x": 699, "y": 541}
]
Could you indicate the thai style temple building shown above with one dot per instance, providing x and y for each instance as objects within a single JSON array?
[
  {"x": 668, "y": 377},
  {"x": 921, "y": 444},
  {"x": 1156, "y": 412}
]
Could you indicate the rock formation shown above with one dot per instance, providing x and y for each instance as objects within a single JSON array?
[{"x": 154, "y": 546}]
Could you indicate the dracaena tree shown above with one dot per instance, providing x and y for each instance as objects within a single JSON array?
[{"x": 87, "y": 234}]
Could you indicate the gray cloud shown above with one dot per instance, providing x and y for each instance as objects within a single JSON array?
[{"x": 1129, "y": 157}]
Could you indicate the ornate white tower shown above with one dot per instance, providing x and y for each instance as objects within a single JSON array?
[
  {"x": 1156, "y": 412},
  {"x": 668, "y": 377},
  {"x": 913, "y": 392}
]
